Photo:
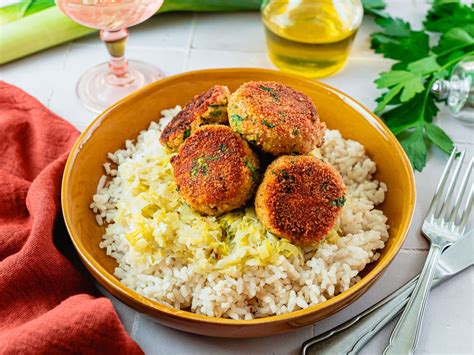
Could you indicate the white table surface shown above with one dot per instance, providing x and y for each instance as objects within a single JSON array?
[{"x": 181, "y": 42}]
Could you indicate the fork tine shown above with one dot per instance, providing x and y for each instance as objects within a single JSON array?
[
  {"x": 449, "y": 193},
  {"x": 460, "y": 195},
  {"x": 467, "y": 211},
  {"x": 441, "y": 183}
]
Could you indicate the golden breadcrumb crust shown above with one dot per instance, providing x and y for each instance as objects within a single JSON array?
[
  {"x": 206, "y": 108},
  {"x": 300, "y": 198},
  {"x": 276, "y": 118},
  {"x": 215, "y": 170}
]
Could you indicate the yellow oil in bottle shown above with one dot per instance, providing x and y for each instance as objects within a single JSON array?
[{"x": 311, "y": 38}]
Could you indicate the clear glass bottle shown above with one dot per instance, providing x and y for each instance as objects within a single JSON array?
[
  {"x": 311, "y": 38},
  {"x": 458, "y": 91}
]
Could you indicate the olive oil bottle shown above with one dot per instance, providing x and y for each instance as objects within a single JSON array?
[{"x": 311, "y": 38}]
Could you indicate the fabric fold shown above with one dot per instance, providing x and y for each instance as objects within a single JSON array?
[{"x": 46, "y": 304}]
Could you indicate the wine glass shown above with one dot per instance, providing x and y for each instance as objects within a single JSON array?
[{"x": 106, "y": 83}]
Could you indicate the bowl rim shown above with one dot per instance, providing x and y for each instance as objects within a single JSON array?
[{"x": 131, "y": 297}]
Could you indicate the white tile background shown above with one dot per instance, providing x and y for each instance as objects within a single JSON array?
[{"x": 186, "y": 41}]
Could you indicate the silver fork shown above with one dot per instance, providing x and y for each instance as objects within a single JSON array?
[{"x": 442, "y": 226}]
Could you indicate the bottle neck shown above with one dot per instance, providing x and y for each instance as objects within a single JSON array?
[{"x": 441, "y": 89}]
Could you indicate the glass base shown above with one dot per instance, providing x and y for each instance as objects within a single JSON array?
[{"x": 98, "y": 88}]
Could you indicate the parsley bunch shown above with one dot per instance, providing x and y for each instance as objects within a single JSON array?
[{"x": 407, "y": 105}]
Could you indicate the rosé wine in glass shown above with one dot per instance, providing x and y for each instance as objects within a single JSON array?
[{"x": 106, "y": 83}]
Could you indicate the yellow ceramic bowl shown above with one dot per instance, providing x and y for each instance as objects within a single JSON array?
[{"x": 128, "y": 117}]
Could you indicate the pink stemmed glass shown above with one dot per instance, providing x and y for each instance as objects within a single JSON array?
[{"x": 106, "y": 83}]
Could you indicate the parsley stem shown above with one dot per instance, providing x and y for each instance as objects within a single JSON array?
[
  {"x": 454, "y": 61},
  {"x": 404, "y": 127},
  {"x": 461, "y": 46},
  {"x": 427, "y": 92}
]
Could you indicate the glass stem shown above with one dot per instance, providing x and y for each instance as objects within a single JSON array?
[{"x": 115, "y": 42}]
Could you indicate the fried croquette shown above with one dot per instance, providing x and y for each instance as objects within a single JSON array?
[
  {"x": 276, "y": 118},
  {"x": 300, "y": 198},
  {"x": 215, "y": 170},
  {"x": 206, "y": 108}
]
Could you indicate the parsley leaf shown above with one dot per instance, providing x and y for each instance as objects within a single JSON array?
[
  {"x": 424, "y": 66},
  {"x": 374, "y": 7},
  {"x": 408, "y": 83},
  {"x": 414, "y": 145},
  {"x": 454, "y": 38},
  {"x": 411, "y": 105},
  {"x": 409, "y": 114},
  {"x": 439, "y": 137},
  {"x": 398, "y": 41},
  {"x": 447, "y": 14}
]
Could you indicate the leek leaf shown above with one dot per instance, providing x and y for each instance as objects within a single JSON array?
[{"x": 12, "y": 11}]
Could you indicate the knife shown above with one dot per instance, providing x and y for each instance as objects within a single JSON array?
[{"x": 351, "y": 336}]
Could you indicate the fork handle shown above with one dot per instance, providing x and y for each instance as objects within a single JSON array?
[
  {"x": 351, "y": 336},
  {"x": 405, "y": 336}
]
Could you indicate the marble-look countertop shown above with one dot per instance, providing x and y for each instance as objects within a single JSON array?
[{"x": 187, "y": 41}]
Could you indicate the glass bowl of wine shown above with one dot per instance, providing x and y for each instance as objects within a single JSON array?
[{"x": 106, "y": 83}]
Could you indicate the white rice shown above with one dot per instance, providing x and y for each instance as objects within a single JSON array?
[{"x": 157, "y": 266}]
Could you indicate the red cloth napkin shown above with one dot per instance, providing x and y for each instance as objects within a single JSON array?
[{"x": 46, "y": 305}]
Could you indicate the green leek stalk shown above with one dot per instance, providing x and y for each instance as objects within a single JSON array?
[
  {"x": 50, "y": 27},
  {"x": 36, "y": 32}
]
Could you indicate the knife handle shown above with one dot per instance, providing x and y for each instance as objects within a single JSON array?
[
  {"x": 351, "y": 336},
  {"x": 405, "y": 335}
]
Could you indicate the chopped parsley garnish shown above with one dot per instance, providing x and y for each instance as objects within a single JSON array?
[
  {"x": 252, "y": 168},
  {"x": 199, "y": 166},
  {"x": 267, "y": 89},
  {"x": 187, "y": 133},
  {"x": 268, "y": 124},
  {"x": 287, "y": 180},
  {"x": 339, "y": 202},
  {"x": 295, "y": 131},
  {"x": 212, "y": 157},
  {"x": 237, "y": 121},
  {"x": 272, "y": 92},
  {"x": 222, "y": 147}
]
